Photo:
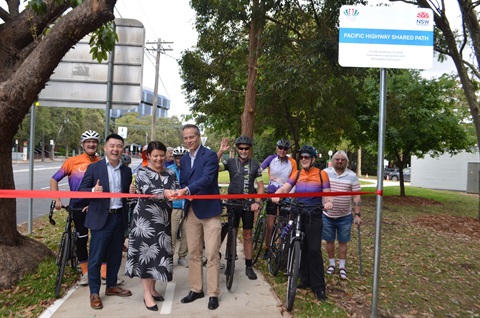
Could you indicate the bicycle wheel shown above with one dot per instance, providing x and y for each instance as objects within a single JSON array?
[
  {"x": 293, "y": 270},
  {"x": 276, "y": 247},
  {"x": 258, "y": 238},
  {"x": 62, "y": 260},
  {"x": 231, "y": 253}
]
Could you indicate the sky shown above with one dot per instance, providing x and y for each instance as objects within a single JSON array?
[{"x": 169, "y": 21}]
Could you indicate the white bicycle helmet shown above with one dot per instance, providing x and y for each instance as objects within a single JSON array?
[
  {"x": 90, "y": 134},
  {"x": 180, "y": 151}
]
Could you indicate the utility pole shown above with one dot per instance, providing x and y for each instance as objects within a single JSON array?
[{"x": 158, "y": 50}]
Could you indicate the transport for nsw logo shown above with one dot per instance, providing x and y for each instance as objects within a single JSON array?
[
  {"x": 423, "y": 18},
  {"x": 351, "y": 12}
]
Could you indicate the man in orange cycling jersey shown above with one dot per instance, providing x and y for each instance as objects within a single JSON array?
[{"x": 74, "y": 168}]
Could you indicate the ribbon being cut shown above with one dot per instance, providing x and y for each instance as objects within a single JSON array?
[{"x": 47, "y": 194}]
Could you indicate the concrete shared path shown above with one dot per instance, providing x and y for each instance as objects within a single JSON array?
[{"x": 247, "y": 298}]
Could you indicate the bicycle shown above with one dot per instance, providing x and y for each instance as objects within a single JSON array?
[
  {"x": 67, "y": 247},
  {"x": 277, "y": 259},
  {"x": 230, "y": 231},
  {"x": 298, "y": 209},
  {"x": 258, "y": 234}
]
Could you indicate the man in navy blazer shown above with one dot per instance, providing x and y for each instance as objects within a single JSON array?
[
  {"x": 199, "y": 175},
  {"x": 107, "y": 218}
]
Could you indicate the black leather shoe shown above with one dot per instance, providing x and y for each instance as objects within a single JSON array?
[
  {"x": 158, "y": 298},
  {"x": 152, "y": 308},
  {"x": 213, "y": 303},
  {"x": 192, "y": 296}
]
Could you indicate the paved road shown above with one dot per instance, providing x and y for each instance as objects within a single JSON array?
[{"x": 43, "y": 172}]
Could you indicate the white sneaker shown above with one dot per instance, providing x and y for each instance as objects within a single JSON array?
[
  {"x": 119, "y": 281},
  {"x": 183, "y": 262},
  {"x": 83, "y": 280}
]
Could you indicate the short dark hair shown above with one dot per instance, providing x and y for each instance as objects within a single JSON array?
[
  {"x": 188, "y": 126},
  {"x": 155, "y": 145},
  {"x": 114, "y": 136}
]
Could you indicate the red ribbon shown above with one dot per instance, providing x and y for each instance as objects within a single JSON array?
[{"x": 47, "y": 194}]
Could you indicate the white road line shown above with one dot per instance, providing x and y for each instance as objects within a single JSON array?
[
  {"x": 168, "y": 302},
  {"x": 37, "y": 169},
  {"x": 59, "y": 185}
]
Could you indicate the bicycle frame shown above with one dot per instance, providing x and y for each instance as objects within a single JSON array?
[{"x": 295, "y": 251}]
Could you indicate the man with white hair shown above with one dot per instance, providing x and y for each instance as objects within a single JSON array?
[{"x": 337, "y": 222}]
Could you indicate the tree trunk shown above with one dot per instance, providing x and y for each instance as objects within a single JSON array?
[
  {"x": 28, "y": 57},
  {"x": 254, "y": 51}
]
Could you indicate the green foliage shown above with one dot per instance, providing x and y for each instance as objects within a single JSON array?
[
  {"x": 168, "y": 130},
  {"x": 62, "y": 125},
  {"x": 102, "y": 41},
  {"x": 300, "y": 87},
  {"x": 423, "y": 117}
]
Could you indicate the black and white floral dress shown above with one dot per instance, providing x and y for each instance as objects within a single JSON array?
[{"x": 150, "y": 252}]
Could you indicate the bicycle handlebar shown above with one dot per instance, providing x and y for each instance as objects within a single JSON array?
[
  {"x": 286, "y": 206},
  {"x": 237, "y": 204},
  {"x": 50, "y": 215}
]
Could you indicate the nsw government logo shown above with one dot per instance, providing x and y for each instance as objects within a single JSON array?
[
  {"x": 423, "y": 18},
  {"x": 351, "y": 12}
]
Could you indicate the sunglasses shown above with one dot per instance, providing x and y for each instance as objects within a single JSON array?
[
  {"x": 241, "y": 148},
  {"x": 282, "y": 148},
  {"x": 305, "y": 157}
]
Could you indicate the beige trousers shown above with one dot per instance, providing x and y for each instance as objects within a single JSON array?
[{"x": 200, "y": 232}]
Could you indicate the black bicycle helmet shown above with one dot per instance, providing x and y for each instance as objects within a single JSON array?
[
  {"x": 243, "y": 140},
  {"x": 179, "y": 151},
  {"x": 89, "y": 134},
  {"x": 126, "y": 159},
  {"x": 283, "y": 143},
  {"x": 309, "y": 150}
]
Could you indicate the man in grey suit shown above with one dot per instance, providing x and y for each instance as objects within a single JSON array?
[
  {"x": 199, "y": 175},
  {"x": 106, "y": 218}
]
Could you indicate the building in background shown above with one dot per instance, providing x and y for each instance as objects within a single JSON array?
[
  {"x": 459, "y": 172},
  {"x": 145, "y": 108}
]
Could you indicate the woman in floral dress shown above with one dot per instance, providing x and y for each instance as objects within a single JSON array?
[{"x": 150, "y": 252}]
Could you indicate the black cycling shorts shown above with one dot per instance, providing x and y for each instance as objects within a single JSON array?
[{"x": 246, "y": 216}]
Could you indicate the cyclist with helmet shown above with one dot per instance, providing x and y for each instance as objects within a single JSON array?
[
  {"x": 311, "y": 179},
  {"x": 74, "y": 168},
  {"x": 244, "y": 172},
  {"x": 178, "y": 213},
  {"x": 280, "y": 168}
]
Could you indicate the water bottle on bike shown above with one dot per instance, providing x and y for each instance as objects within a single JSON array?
[{"x": 286, "y": 229}]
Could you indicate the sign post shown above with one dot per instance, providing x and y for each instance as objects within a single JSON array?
[{"x": 384, "y": 37}]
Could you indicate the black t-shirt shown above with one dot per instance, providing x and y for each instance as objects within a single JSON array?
[{"x": 242, "y": 175}]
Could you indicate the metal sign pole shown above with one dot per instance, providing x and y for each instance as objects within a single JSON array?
[
  {"x": 31, "y": 148},
  {"x": 378, "y": 218}
]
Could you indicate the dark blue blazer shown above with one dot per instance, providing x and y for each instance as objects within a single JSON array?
[
  {"x": 202, "y": 178},
  {"x": 97, "y": 213}
]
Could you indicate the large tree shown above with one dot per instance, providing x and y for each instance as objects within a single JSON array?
[
  {"x": 462, "y": 46},
  {"x": 424, "y": 117},
  {"x": 32, "y": 43},
  {"x": 290, "y": 78}
]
